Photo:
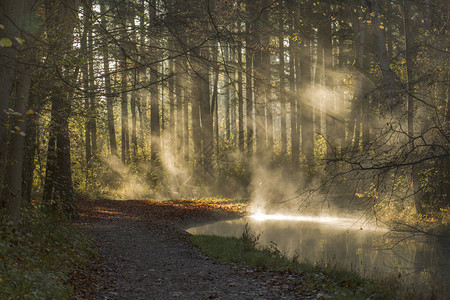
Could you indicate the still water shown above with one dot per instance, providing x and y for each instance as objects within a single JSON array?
[{"x": 419, "y": 262}]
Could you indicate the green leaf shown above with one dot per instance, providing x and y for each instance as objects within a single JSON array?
[{"x": 5, "y": 42}]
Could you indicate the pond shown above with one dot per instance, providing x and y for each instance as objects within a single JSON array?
[{"x": 374, "y": 252}]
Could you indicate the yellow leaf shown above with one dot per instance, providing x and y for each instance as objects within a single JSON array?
[
  {"x": 19, "y": 40},
  {"x": 2, "y": 26},
  {"x": 368, "y": 21},
  {"x": 381, "y": 27},
  {"x": 29, "y": 112},
  {"x": 5, "y": 42}
]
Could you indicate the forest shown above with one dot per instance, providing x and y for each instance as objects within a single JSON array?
[{"x": 296, "y": 105}]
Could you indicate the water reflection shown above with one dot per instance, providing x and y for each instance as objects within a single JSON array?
[{"x": 345, "y": 243}]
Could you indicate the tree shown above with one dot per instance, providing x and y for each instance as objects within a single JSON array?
[{"x": 11, "y": 12}]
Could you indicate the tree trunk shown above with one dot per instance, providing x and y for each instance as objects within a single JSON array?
[
  {"x": 409, "y": 47},
  {"x": 359, "y": 96},
  {"x": 172, "y": 118},
  {"x": 124, "y": 112},
  {"x": 303, "y": 59},
  {"x": 227, "y": 84},
  {"x": 249, "y": 89},
  {"x": 196, "y": 129},
  {"x": 179, "y": 82},
  {"x": 295, "y": 134},
  {"x": 282, "y": 98},
  {"x": 186, "y": 120},
  {"x": 16, "y": 147},
  {"x": 389, "y": 81},
  {"x": 85, "y": 79},
  {"x": 329, "y": 107},
  {"x": 133, "y": 101},
  {"x": 318, "y": 85},
  {"x": 206, "y": 113},
  {"x": 155, "y": 125},
  {"x": 108, "y": 90},
  {"x": 31, "y": 146},
  {"x": 241, "y": 137},
  {"x": 259, "y": 102},
  {"x": 62, "y": 15},
  {"x": 215, "y": 102},
  {"x": 11, "y": 12},
  {"x": 51, "y": 164},
  {"x": 92, "y": 113}
]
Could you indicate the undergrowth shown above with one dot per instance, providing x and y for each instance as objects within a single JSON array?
[
  {"x": 336, "y": 283},
  {"x": 38, "y": 255}
]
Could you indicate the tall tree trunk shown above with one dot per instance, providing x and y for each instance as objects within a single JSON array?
[
  {"x": 108, "y": 89},
  {"x": 409, "y": 47},
  {"x": 11, "y": 12},
  {"x": 303, "y": 59},
  {"x": 172, "y": 118},
  {"x": 51, "y": 164},
  {"x": 186, "y": 119},
  {"x": 155, "y": 125},
  {"x": 179, "y": 83},
  {"x": 62, "y": 15},
  {"x": 133, "y": 103},
  {"x": 196, "y": 127},
  {"x": 389, "y": 81},
  {"x": 282, "y": 98},
  {"x": 359, "y": 95},
  {"x": 215, "y": 98},
  {"x": 262, "y": 79},
  {"x": 85, "y": 78},
  {"x": 295, "y": 134},
  {"x": 269, "y": 128},
  {"x": 249, "y": 88},
  {"x": 329, "y": 107},
  {"x": 259, "y": 101},
  {"x": 340, "y": 99},
  {"x": 318, "y": 85},
  {"x": 124, "y": 112},
  {"x": 233, "y": 102},
  {"x": 31, "y": 145},
  {"x": 92, "y": 104},
  {"x": 227, "y": 84},
  {"x": 16, "y": 147},
  {"x": 241, "y": 137},
  {"x": 206, "y": 113}
]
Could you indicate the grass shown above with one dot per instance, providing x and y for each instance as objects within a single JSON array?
[
  {"x": 38, "y": 256},
  {"x": 336, "y": 283}
]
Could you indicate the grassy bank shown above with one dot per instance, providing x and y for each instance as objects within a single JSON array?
[
  {"x": 38, "y": 256},
  {"x": 335, "y": 283}
]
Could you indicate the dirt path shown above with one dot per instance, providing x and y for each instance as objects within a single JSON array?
[{"x": 146, "y": 255}]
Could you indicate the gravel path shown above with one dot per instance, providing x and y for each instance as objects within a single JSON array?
[{"x": 146, "y": 259}]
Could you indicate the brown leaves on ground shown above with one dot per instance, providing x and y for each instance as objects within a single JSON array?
[{"x": 176, "y": 212}]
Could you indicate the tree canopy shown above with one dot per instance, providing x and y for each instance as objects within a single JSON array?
[{"x": 345, "y": 102}]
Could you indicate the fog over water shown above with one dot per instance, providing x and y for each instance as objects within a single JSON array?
[{"x": 349, "y": 243}]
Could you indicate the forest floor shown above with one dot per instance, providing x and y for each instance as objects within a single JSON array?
[{"x": 144, "y": 253}]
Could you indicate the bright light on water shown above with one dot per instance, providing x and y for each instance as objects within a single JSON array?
[
  {"x": 334, "y": 221},
  {"x": 280, "y": 217}
]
